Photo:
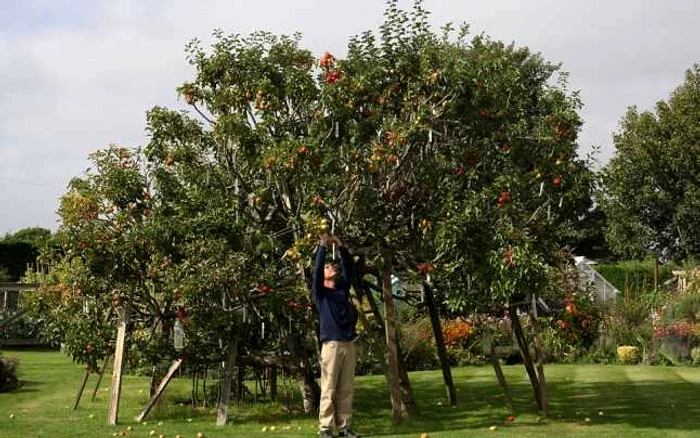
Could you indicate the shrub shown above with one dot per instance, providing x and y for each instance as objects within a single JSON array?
[
  {"x": 628, "y": 355},
  {"x": 456, "y": 332},
  {"x": 418, "y": 345},
  {"x": 636, "y": 276},
  {"x": 695, "y": 355},
  {"x": 9, "y": 379}
]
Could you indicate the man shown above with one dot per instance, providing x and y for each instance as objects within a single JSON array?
[{"x": 337, "y": 319}]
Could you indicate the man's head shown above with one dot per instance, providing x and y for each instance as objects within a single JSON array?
[{"x": 330, "y": 271}]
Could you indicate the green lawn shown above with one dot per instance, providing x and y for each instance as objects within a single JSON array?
[{"x": 618, "y": 401}]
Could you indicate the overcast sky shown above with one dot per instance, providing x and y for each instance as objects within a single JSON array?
[{"x": 77, "y": 75}]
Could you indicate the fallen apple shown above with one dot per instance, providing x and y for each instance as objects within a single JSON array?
[{"x": 493, "y": 428}]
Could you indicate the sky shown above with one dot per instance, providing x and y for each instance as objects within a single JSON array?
[{"x": 78, "y": 75}]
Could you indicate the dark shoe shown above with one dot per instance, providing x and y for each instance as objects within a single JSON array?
[
  {"x": 348, "y": 433},
  {"x": 325, "y": 434}
]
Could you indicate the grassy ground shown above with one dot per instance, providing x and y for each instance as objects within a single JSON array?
[{"x": 619, "y": 401}]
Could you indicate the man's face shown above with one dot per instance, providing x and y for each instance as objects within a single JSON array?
[{"x": 330, "y": 271}]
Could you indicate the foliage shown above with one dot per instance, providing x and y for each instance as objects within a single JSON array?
[
  {"x": 628, "y": 355},
  {"x": 652, "y": 195}
]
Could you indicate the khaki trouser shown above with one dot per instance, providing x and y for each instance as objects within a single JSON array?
[{"x": 337, "y": 375}]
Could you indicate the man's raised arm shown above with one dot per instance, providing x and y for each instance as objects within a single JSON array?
[{"x": 317, "y": 281}]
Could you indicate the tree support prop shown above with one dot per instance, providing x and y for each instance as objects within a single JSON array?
[
  {"x": 225, "y": 388},
  {"x": 79, "y": 395},
  {"x": 113, "y": 412},
  {"x": 398, "y": 408},
  {"x": 99, "y": 379},
  {"x": 440, "y": 343},
  {"x": 160, "y": 390}
]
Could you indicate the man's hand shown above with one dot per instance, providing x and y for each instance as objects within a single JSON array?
[{"x": 330, "y": 238}]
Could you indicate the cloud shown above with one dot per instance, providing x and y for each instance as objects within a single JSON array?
[{"x": 78, "y": 75}]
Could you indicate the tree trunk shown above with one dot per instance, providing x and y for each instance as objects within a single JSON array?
[
  {"x": 440, "y": 343},
  {"x": 398, "y": 408},
  {"x": 525, "y": 353}
]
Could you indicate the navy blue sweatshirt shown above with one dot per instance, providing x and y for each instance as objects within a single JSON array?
[{"x": 335, "y": 311}]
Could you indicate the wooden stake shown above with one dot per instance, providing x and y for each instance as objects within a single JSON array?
[
  {"x": 113, "y": 412},
  {"x": 656, "y": 274},
  {"x": 539, "y": 353},
  {"x": 525, "y": 354},
  {"x": 79, "y": 395},
  {"x": 500, "y": 376},
  {"x": 99, "y": 379},
  {"x": 161, "y": 388},
  {"x": 225, "y": 390}
]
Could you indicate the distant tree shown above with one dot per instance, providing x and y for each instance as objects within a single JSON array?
[
  {"x": 36, "y": 236},
  {"x": 652, "y": 185},
  {"x": 19, "y": 249}
]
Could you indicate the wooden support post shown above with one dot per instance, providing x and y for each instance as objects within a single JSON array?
[
  {"x": 113, "y": 412},
  {"x": 79, "y": 395},
  {"x": 161, "y": 388},
  {"x": 99, "y": 379},
  {"x": 501, "y": 377},
  {"x": 225, "y": 382},
  {"x": 525, "y": 354},
  {"x": 656, "y": 274},
  {"x": 539, "y": 352}
]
